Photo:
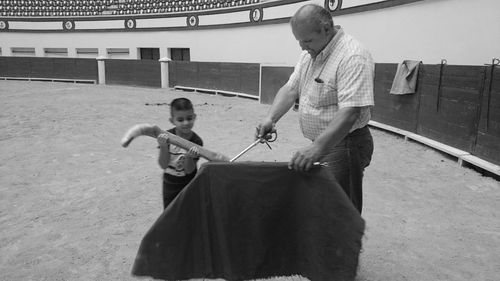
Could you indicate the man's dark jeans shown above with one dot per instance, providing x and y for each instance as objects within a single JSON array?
[{"x": 347, "y": 162}]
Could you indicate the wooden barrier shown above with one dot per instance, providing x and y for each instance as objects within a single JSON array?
[
  {"x": 449, "y": 104},
  {"x": 400, "y": 111},
  {"x": 456, "y": 106},
  {"x": 453, "y": 105},
  {"x": 64, "y": 69},
  {"x": 272, "y": 79},
  {"x": 133, "y": 72},
  {"x": 487, "y": 138},
  {"x": 216, "y": 77}
]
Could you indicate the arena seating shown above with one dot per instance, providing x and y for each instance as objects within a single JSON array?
[
  {"x": 54, "y": 8},
  {"x": 76, "y": 8},
  {"x": 172, "y": 6}
]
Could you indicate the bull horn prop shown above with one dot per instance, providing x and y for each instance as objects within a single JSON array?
[{"x": 154, "y": 131}]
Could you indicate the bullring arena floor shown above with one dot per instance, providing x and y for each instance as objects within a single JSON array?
[{"x": 74, "y": 204}]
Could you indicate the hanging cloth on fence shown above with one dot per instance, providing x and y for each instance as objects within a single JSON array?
[
  {"x": 253, "y": 220},
  {"x": 405, "y": 80}
]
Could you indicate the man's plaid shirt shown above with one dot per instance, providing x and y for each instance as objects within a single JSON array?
[{"x": 340, "y": 76}]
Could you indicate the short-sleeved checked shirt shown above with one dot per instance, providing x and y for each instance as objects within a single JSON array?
[{"x": 340, "y": 76}]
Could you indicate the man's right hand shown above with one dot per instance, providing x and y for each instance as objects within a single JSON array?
[{"x": 265, "y": 129}]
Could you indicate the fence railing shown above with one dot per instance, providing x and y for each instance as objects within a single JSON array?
[{"x": 458, "y": 106}]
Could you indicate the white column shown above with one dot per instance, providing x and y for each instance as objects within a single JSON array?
[
  {"x": 164, "y": 71},
  {"x": 6, "y": 51},
  {"x": 39, "y": 52},
  {"x": 134, "y": 54},
  {"x": 72, "y": 52},
  {"x": 102, "y": 52},
  {"x": 101, "y": 70}
]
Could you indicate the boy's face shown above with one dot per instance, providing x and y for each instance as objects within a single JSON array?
[{"x": 183, "y": 120}]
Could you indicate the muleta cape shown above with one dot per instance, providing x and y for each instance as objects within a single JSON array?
[{"x": 254, "y": 220}]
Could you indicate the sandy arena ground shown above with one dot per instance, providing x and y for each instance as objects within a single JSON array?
[{"x": 74, "y": 204}]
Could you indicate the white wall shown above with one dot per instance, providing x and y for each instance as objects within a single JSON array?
[
  {"x": 269, "y": 44},
  {"x": 460, "y": 31}
]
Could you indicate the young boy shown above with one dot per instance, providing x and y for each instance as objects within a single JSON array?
[{"x": 179, "y": 165}]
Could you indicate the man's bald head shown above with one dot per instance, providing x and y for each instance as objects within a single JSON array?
[
  {"x": 312, "y": 16},
  {"x": 312, "y": 26}
]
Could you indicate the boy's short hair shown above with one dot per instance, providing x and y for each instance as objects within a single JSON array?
[{"x": 180, "y": 104}]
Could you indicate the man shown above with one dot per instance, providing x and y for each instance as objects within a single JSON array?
[{"x": 334, "y": 82}]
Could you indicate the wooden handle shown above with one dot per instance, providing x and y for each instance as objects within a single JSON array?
[{"x": 154, "y": 131}]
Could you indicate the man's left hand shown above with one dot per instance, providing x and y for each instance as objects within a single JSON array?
[{"x": 304, "y": 158}]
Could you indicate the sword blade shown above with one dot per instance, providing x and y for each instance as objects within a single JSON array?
[{"x": 245, "y": 150}]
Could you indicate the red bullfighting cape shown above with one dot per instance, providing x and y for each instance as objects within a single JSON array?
[{"x": 241, "y": 221}]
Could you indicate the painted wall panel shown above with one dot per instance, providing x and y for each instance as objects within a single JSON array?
[
  {"x": 487, "y": 145},
  {"x": 17, "y": 66},
  {"x": 133, "y": 72},
  {"x": 186, "y": 74},
  {"x": 209, "y": 75},
  {"x": 400, "y": 111},
  {"x": 249, "y": 79},
  {"x": 448, "y": 118},
  {"x": 86, "y": 69},
  {"x": 42, "y": 67},
  {"x": 272, "y": 79},
  {"x": 232, "y": 77},
  {"x": 36, "y": 67}
]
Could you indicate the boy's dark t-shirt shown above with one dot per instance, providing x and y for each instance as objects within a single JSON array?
[{"x": 175, "y": 172}]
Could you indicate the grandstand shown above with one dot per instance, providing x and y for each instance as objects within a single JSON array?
[
  {"x": 246, "y": 47},
  {"x": 55, "y": 8},
  {"x": 74, "y": 8},
  {"x": 164, "y": 6}
]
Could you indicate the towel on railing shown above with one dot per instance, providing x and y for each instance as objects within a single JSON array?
[
  {"x": 254, "y": 220},
  {"x": 405, "y": 80}
]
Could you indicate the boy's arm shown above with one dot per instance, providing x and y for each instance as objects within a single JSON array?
[
  {"x": 284, "y": 100},
  {"x": 164, "y": 157},
  {"x": 189, "y": 165},
  {"x": 191, "y": 159}
]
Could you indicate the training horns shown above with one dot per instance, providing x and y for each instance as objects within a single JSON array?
[{"x": 154, "y": 131}]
